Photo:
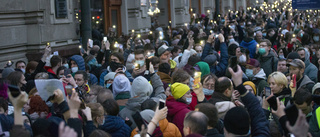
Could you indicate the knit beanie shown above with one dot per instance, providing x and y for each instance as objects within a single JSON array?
[
  {"x": 120, "y": 84},
  {"x": 141, "y": 87},
  {"x": 204, "y": 68},
  {"x": 293, "y": 55},
  {"x": 109, "y": 76},
  {"x": 252, "y": 85},
  {"x": 147, "y": 115},
  {"x": 316, "y": 86},
  {"x": 210, "y": 59},
  {"x": 6, "y": 72},
  {"x": 237, "y": 121},
  {"x": 179, "y": 89}
]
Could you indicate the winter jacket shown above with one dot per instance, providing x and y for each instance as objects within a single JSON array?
[
  {"x": 184, "y": 59},
  {"x": 269, "y": 63},
  {"x": 115, "y": 126},
  {"x": 80, "y": 62},
  {"x": 218, "y": 97},
  {"x": 134, "y": 104},
  {"x": 213, "y": 133},
  {"x": 106, "y": 71},
  {"x": 164, "y": 77},
  {"x": 260, "y": 81},
  {"x": 285, "y": 96},
  {"x": 259, "y": 123},
  {"x": 220, "y": 69},
  {"x": 305, "y": 82},
  {"x": 169, "y": 129},
  {"x": 93, "y": 80},
  {"x": 310, "y": 70},
  {"x": 176, "y": 112},
  {"x": 314, "y": 128},
  {"x": 251, "y": 45},
  {"x": 122, "y": 99}
]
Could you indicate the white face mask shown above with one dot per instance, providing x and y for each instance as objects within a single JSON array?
[
  {"x": 242, "y": 59},
  {"x": 23, "y": 70},
  {"x": 189, "y": 100},
  {"x": 207, "y": 91},
  {"x": 66, "y": 65},
  {"x": 74, "y": 69}
]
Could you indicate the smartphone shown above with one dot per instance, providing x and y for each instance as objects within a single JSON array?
[
  {"x": 105, "y": 39},
  {"x": 67, "y": 72},
  {"x": 138, "y": 120},
  {"x": 273, "y": 102},
  {"x": 90, "y": 43},
  {"x": 267, "y": 91},
  {"x": 197, "y": 78},
  {"x": 147, "y": 63},
  {"x": 294, "y": 78},
  {"x": 161, "y": 104},
  {"x": 234, "y": 63},
  {"x": 161, "y": 35},
  {"x": 14, "y": 90},
  {"x": 69, "y": 89},
  {"x": 292, "y": 113},
  {"x": 137, "y": 66}
]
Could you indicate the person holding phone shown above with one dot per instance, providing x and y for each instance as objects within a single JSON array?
[{"x": 278, "y": 83}]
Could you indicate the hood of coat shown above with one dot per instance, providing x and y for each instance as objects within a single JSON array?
[{"x": 174, "y": 106}]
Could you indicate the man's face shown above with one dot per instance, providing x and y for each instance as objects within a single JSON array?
[
  {"x": 73, "y": 64},
  {"x": 175, "y": 54},
  {"x": 282, "y": 66},
  {"x": 296, "y": 71},
  {"x": 238, "y": 52},
  {"x": 165, "y": 57},
  {"x": 198, "y": 49},
  {"x": 79, "y": 80},
  {"x": 115, "y": 59},
  {"x": 139, "y": 57},
  {"x": 21, "y": 66},
  {"x": 209, "y": 84},
  {"x": 304, "y": 108},
  {"x": 259, "y": 36},
  {"x": 301, "y": 54},
  {"x": 265, "y": 46}
]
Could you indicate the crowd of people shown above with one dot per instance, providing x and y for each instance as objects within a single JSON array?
[{"x": 252, "y": 72}]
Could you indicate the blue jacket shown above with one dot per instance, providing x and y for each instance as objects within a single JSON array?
[
  {"x": 80, "y": 62},
  {"x": 251, "y": 45},
  {"x": 218, "y": 70},
  {"x": 115, "y": 126},
  {"x": 259, "y": 122}
]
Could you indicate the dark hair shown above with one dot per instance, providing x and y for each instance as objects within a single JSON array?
[
  {"x": 148, "y": 47},
  {"x": 60, "y": 68},
  {"x": 250, "y": 32},
  {"x": 55, "y": 60},
  {"x": 269, "y": 44},
  {"x": 197, "y": 122},
  {"x": 179, "y": 76},
  {"x": 31, "y": 65},
  {"x": 83, "y": 73},
  {"x": 139, "y": 51},
  {"x": 210, "y": 111},
  {"x": 175, "y": 49},
  {"x": 119, "y": 56},
  {"x": 103, "y": 95},
  {"x": 20, "y": 61},
  {"x": 99, "y": 133},
  {"x": 3, "y": 104},
  {"x": 222, "y": 84},
  {"x": 165, "y": 68},
  {"x": 14, "y": 77},
  {"x": 209, "y": 76},
  {"x": 302, "y": 95},
  {"x": 149, "y": 104},
  {"x": 154, "y": 60},
  {"x": 193, "y": 60},
  {"x": 111, "y": 107}
]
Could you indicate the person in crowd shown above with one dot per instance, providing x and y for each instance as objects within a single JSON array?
[
  {"x": 297, "y": 68},
  {"x": 282, "y": 66},
  {"x": 37, "y": 108},
  {"x": 310, "y": 69},
  {"x": 121, "y": 90},
  {"x": 17, "y": 78},
  {"x": 303, "y": 99},
  {"x": 21, "y": 65},
  {"x": 164, "y": 73},
  {"x": 103, "y": 95},
  {"x": 108, "y": 80},
  {"x": 176, "y": 51},
  {"x": 208, "y": 82},
  {"x": 55, "y": 62},
  {"x": 140, "y": 64},
  {"x": 249, "y": 42},
  {"x": 267, "y": 61},
  {"x": 279, "y": 87},
  {"x": 212, "y": 114},
  {"x": 77, "y": 63},
  {"x": 195, "y": 124},
  {"x": 257, "y": 75},
  {"x": 31, "y": 67}
]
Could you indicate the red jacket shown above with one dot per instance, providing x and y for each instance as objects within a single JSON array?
[{"x": 176, "y": 112}]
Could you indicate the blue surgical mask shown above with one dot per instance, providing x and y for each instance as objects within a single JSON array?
[
  {"x": 316, "y": 38},
  {"x": 66, "y": 65},
  {"x": 249, "y": 73},
  {"x": 180, "y": 54},
  {"x": 262, "y": 51},
  {"x": 231, "y": 40},
  {"x": 150, "y": 55},
  {"x": 140, "y": 62},
  {"x": 207, "y": 91},
  {"x": 264, "y": 34},
  {"x": 189, "y": 100},
  {"x": 281, "y": 56},
  {"x": 108, "y": 85},
  {"x": 104, "y": 121},
  {"x": 199, "y": 54}
]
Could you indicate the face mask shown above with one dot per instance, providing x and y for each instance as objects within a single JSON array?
[
  {"x": 60, "y": 76},
  {"x": 140, "y": 62},
  {"x": 66, "y": 65},
  {"x": 150, "y": 55},
  {"x": 199, "y": 54},
  {"x": 104, "y": 121},
  {"x": 155, "y": 71},
  {"x": 114, "y": 66},
  {"x": 233, "y": 27},
  {"x": 264, "y": 34},
  {"x": 301, "y": 35},
  {"x": 313, "y": 53},
  {"x": 74, "y": 69},
  {"x": 242, "y": 59},
  {"x": 189, "y": 100},
  {"x": 108, "y": 85},
  {"x": 249, "y": 73},
  {"x": 262, "y": 51},
  {"x": 231, "y": 40},
  {"x": 23, "y": 70},
  {"x": 93, "y": 62},
  {"x": 281, "y": 56},
  {"x": 316, "y": 38},
  {"x": 207, "y": 91},
  {"x": 180, "y": 54}
]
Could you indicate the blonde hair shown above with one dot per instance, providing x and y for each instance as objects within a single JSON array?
[{"x": 279, "y": 78}]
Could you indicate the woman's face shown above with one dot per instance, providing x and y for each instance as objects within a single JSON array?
[
  {"x": 26, "y": 106},
  {"x": 275, "y": 88},
  {"x": 209, "y": 83},
  {"x": 187, "y": 95},
  {"x": 249, "y": 88},
  {"x": 22, "y": 80},
  {"x": 281, "y": 52},
  {"x": 61, "y": 72}
]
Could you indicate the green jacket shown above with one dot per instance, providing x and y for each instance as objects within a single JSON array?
[{"x": 314, "y": 123}]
